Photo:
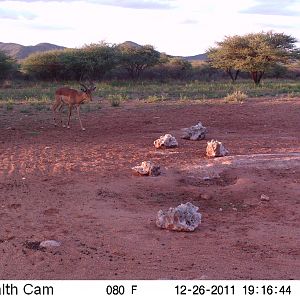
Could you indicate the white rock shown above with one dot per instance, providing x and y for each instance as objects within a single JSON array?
[
  {"x": 215, "y": 148},
  {"x": 264, "y": 197},
  {"x": 165, "y": 141},
  {"x": 49, "y": 244},
  {"x": 181, "y": 218},
  {"x": 147, "y": 168},
  {"x": 194, "y": 133}
]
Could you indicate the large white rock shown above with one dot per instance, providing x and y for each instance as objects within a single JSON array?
[
  {"x": 194, "y": 133},
  {"x": 166, "y": 141},
  {"x": 215, "y": 149},
  {"x": 181, "y": 218},
  {"x": 147, "y": 168}
]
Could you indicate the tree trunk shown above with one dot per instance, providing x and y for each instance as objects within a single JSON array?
[
  {"x": 236, "y": 74},
  {"x": 257, "y": 76},
  {"x": 260, "y": 75},
  {"x": 233, "y": 78},
  {"x": 230, "y": 74}
]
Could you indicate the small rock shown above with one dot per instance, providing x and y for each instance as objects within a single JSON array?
[
  {"x": 184, "y": 217},
  {"x": 147, "y": 168},
  {"x": 264, "y": 197},
  {"x": 166, "y": 141},
  {"x": 206, "y": 196},
  {"x": 49, "y": 244},
  {"x": 215, "y": 149},
  {"x": 194, "y": 133}
]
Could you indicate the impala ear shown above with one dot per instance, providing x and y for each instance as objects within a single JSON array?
[{"x": 93, "y": 88}]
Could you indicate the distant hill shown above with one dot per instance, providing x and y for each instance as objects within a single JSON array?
[
  {"x": 196, "y": 57},
  {"x": 20, "y": 52},
  {"x": 130, "y": 44},
  {"x": 201, "y": 57}
]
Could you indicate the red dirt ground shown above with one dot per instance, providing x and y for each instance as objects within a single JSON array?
[{"x": 77, "y": 187}]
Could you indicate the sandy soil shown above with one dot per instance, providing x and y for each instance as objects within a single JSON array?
[{"x": 77, "y": 187}]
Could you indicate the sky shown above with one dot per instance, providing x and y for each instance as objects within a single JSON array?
[{"x": 176, "y": 27}]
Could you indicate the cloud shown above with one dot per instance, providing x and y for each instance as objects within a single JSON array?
[
  {"x": 49, "y": 27},
  {"x": 273, "y": 7},
  {"x": 135, "y": 4},
  {"x": 276, "y": 26},
  {"x": 189, "y": 22},
  {"x": 16, "y": 14}
]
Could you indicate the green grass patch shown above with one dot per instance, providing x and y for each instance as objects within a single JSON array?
[{"x": 42, "y": 93}]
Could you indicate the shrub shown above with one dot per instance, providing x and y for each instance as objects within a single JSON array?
[
  {"x": 7, "y": 65},
  {"x": 115, "y": 100},
  {"x": 236, "y": 96}
]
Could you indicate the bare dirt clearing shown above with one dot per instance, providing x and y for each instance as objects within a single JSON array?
[{"x": 78, "y": 188}]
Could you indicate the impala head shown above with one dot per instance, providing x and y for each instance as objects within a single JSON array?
[{"x": 88, "y": 91}]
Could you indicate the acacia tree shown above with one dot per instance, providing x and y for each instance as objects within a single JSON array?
[
  {"x": 97, "y": 59},
  {"x": 91, "y": 61},
  {"x": 135, "y": 59},
  {"x": 226, "y": 55},
  {"x": 44, "y": 65},
  {"x": 7, "y": 65},
  {"x": 254, "y": 53}
]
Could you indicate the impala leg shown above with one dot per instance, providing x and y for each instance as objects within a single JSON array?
[
  {"x": 54, "y": 108},
  {"x": 78, "y": 112},
  {"x": 60, "y": 111},
  {"x": 70, "y": 112}
]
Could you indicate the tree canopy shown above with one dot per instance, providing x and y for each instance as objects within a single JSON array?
[
  {"x": 91, "y": 61},
  {"x": 254, "y": 53},
  {"x": 135, "y": 59}
]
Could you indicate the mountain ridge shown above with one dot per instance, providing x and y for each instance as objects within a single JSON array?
[{"x": 20, "y": 52}]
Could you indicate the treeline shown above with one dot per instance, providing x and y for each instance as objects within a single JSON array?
[
  {"x": 97, "y": 62},
  {"x": 257, "y": 54}
]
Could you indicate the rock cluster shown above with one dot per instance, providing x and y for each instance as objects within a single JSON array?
[
  {"x": 166, "y": 141},
  {"x": 215, "y": 149},
  {"x": 147, "y": 168},
  {"x": 194, "y": 133},
  {"x": 181, "y": 218}
]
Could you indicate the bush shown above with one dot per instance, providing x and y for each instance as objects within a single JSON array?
[
  {"x": 91, "y": 61},
  {"x": 7, "y": 65},
  {"x": 236, "y": 96},
  {"x": 135, "y": 58}
]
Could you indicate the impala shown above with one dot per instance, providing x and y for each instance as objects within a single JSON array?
[{"x": 71, "y": 98}]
